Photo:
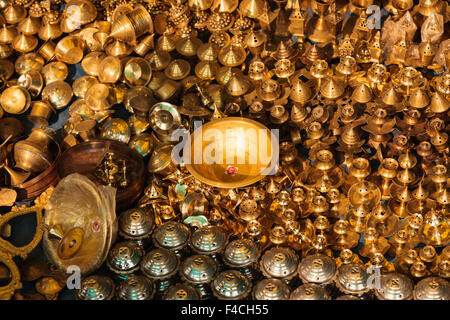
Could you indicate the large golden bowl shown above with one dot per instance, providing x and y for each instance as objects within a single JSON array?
[{"x": 254, "y": 147}]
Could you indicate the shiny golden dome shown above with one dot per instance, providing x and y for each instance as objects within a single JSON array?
[
  {"x": 239, "y": 172},
  {"x": 177, "y": 69}
]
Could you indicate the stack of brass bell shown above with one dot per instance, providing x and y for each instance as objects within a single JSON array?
[{"x": 362, "y": 108}]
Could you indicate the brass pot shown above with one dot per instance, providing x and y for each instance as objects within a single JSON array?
[
  {"x": 41, "y": 112},
  {"x": 33, "y": 154}
]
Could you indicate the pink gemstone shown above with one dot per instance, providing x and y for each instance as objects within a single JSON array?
[{"x": 232, "y": 170}]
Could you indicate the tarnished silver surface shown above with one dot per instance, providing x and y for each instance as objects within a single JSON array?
[
  {"x": 181, "y": 291},
  {"x": 317, "y": 268},
  {"x": 198, "y": 269},
  {"x": 279, "y": 262},
  {"x": 241, "y": 253},
  {"x": 171, "y": 235},
  {"x": 160, "y": 264},
  {"x": 209, "y": 240},
  {"x": 432, "y": 288},
  {"x": 135, "y": 224},
  {"x": 231, "y": 285},
  {"x": 309, "y": 291},
  {"x": 136, "y": 287},
  {"x": 124, "y": 257},
  {"x": 352, "y": 279},
  {"x": 96, "y": 287},
  {"x": 394, "y": 286},
  {"x": 271, "y": 289}
]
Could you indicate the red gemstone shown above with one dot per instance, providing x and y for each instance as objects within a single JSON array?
[{"x": 232, "y": 170}]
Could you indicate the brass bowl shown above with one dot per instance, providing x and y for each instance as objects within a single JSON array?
[
  {"x": 80, "y": 11},
  {"x": 32, "y": 188},
  {"x": 15, "y": 100},
  {"x": 110, "y": 69},
  {"x": 70, "y": 50},
  {"x": 55, "y": 71},
  {"x": 58, "y": 93},
  {"x": 81, "y": 225},
  {"x": 32, "y": 81},
  {"x": 83, "y": 158},
  {"x": 231, "y": 174},
  {"x": 29, "y": 61},
  {"x": 81, "y": 85},
  {"x": 91, "y": 63},
  {"x": 100, "y": 97},
  {"x": 137, "y": 72}
]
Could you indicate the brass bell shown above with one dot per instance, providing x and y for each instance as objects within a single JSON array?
[
  {"x": 177, "y": 69},
  {"x": 49, "y": 31},
  {"x": 24, "y": 43},
  {"x": 70, "y": 50},
  {"x": 145, "y": 45},
  {"x": 188, "y": 46},
  {"x": 14, "y": 13},
  {"x": 8, "y": 34},
  {"x": 29, "y": 26},
  {"x": 41, "y": 112},
  {"x": 373, "y": 243},
  {"x": 332, "y": 89},
  {"x": 128, "y": 27},
  {"x": 55, "y": 71},
  {"x": 232, "y": 56},
  {"x": 124, "y": 257},
  {"x": 58, "y": 93}
]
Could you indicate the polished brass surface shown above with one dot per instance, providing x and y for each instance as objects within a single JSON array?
[{"x": 358, "y": 173}]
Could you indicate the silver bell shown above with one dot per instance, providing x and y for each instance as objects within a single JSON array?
[
  {"x": 231, "y": 285},
  {"x": 124, "y": 257},
  {"x": 279, "y": 262},
  {"x": 271, "y": 289},
  {"x": 96, "y": 287},
  {"x": 241, "y": 253},
  {"x": 160, "y": 264},
  {"x": 135, "y": 224},
  {"x": 317, "y": 268},
  {"x": 171, "y": 235},
  {"x": 198, "y": 269},
  {"x": 181, "y": 291},
  {"x": 394, "y": 286},
  {"x": 310, "y": 291},
  {"x": 209, "y": 240},
  {"x": 136, "y": 287},
  {"x": 352, "y": 278},
  {"x": 432, "y": 288}
]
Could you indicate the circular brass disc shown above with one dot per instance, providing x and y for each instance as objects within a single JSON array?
[
  {"x": 77, "y": 203},
  {"x": 244, "y": 138},
  {"x": 70, "y": 243}
]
